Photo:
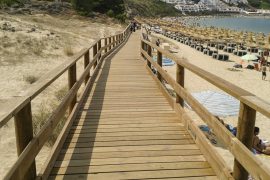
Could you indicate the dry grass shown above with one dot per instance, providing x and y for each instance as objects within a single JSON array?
[
  {"x": 43, "y": 113},
  {"x": 68, "y": 50},
  {"x": 60, "y": 94}
]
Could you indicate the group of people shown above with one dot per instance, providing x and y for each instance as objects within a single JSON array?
[
  {"x": 133, "y": 26},
  {"x": 258, "y": 145}
]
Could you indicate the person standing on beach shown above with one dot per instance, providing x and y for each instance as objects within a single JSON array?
[
  {"x": 262, "y": 61},
  {"x": 263, "y": 72}
]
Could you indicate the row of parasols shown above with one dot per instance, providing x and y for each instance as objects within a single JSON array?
[{"x": 215, "y": 35}]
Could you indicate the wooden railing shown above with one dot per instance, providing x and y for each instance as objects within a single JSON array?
[
  {"x": 245, "y": 162},
  {"x": 28, "y": 146}
]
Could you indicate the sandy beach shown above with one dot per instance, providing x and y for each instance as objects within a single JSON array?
[
  {"x": 249, "y": 80},
  {"x": 31, "y": 46}
]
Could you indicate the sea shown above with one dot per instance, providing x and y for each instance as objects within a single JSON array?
[{"x": 241, "y": 23}]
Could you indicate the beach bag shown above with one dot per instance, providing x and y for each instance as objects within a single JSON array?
[
  {"x": 238, "y": 66},
  {"x": 250, "y": 67}
]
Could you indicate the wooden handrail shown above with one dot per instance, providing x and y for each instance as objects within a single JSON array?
[
  {"x": 20, "y": 107},
  {"x": 241, "y": 153}
]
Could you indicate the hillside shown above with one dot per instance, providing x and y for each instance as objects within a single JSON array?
[
  {"x": 150, "y": 8},
  {"x": 119, "y": 9},
  {"x": 260, "y": 4}
]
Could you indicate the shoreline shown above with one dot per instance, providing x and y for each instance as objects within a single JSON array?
[{"x": 239, "y": 22}]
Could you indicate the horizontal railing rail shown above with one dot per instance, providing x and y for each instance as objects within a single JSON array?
[
  {"x": 28, "y": 146},
  {"x": 245, "y": 162}
]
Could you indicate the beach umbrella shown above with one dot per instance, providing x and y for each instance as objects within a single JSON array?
[{"x": 249, "y": 57}]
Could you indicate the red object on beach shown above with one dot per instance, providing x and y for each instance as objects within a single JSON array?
[{"x": 256, "y": 66}]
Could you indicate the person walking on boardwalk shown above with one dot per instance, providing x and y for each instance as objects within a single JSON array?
[{"x": 263, "y": 72}]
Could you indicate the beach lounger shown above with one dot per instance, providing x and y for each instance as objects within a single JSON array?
[
  {"x": 228, "y": 49},
  {"x": 200, "y": 48},
  {"x": 253, "y": 50},
  {"x": 222, "y": 57},
  {"x": 205, "y": 51},
  {"x": 220, "y": 46},
  {"x": 210, "y": 53},
  {"x": 215, "y": 55},
  {"x": 240, "y": 53},
  {"x": 226, "y": 57}
]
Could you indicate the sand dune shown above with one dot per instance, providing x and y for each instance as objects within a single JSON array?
[{"x": 32, "y": 45}]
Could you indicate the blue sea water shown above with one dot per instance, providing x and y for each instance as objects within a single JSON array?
[{"x": 254, "y": 24}]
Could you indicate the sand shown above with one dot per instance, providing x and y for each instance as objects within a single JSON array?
[
  {"x": 249, "y": 80},
  {"x": 40, "y": 43}
]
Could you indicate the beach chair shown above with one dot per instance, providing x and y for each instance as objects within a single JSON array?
[
  {"x": 199, "y": 48},
  {"x": 222, "y": 57},
  {"x": 226, "y": 57},
  {"x": 215, "y": 55},
  {"x": 205, "y": 51},
  {"x": 220, "y": 46},
  {"x": 230, "y": 50},
  {"x": 219, "y": 57},
  {"x": 210, "y": 53}
]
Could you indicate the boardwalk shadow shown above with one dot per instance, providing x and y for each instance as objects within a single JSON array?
[{"x": 82, "y": 139}]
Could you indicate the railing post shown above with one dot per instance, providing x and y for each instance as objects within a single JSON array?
[
  {"x": 245, "y": 133},
  {"x": 149, "y": 52},
  {"x": 94, "y": 54},
  {"x": 86, "y": 62},
  {"x": 142, "y": 47},
  {"x": 99, "y": 46},
  {"x": 180, "y": 79},
  {"x": 72, "y": 78},
  {"x": 106, "y": 43},
  {"x": 110, "y": 41},
  {"x": 159, "y": 61},
  {"x": 24, "y": 134},
  {"x": 114, "y": 40}
]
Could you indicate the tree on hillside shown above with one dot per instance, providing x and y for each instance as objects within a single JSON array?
[{"x": 112, "y": 8}]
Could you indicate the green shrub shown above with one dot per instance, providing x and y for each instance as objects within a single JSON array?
[
  {"x": 7, "y": 2},
  {"x": 111, "y": 8},
  {"x": 30, "y": 79},
  {"x": 10, "y": 2},
  {"x": 110, "y": 13}
]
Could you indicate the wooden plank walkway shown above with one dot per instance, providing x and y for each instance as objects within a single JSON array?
[{"x": 126, "y": 129}]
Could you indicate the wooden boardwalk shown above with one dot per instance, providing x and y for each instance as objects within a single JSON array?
[{"x": 126, "y": 129}]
